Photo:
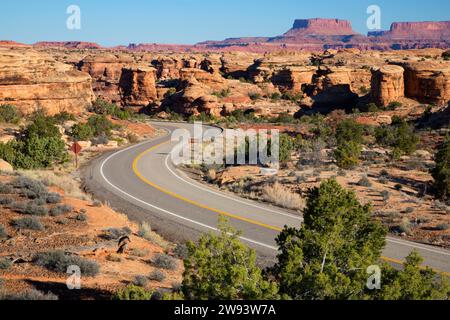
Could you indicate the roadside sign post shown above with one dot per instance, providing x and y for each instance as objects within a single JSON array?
[{"x": 76, "y": 149}]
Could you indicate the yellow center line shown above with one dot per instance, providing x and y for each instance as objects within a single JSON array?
[{"x": 226, "y": 214}]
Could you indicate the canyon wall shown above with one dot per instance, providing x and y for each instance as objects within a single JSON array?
[{"x": 34, "y": 81}]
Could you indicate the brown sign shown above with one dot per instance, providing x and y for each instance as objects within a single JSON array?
[{"x": 76, "y": 148}]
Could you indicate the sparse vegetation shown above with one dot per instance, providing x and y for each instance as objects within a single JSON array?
[
  {"x": 28, "y": 223},
  {"x": 165, "y": 261},
  {"x": 134, "y": 293},
  {"x": 279, "y": 195},
  {"x": 9, "y": 114},
  {"x": 441, "y": 172},
  {"x": 59, "y": 261},
  {"x": 158, "y": 276}
]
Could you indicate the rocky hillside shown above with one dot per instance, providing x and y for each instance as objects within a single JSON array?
[{"x": 33, "y": 80}]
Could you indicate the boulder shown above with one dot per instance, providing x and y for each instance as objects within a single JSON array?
[{"x": 5, "y": 166}]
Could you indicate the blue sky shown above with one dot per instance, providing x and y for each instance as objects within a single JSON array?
[{"x": 113, "y": 22}]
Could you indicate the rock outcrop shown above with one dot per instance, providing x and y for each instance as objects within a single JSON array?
[
  {"x": 427, "y": 82},
  {"x": 68, "y": 45},
  {"x": 388, "y": 84},
  {"x": 315, "y": 27},
  {"x": 138, "y": 86},
  {"x": 106, "y": 71},
  {"x": 34, "y": 81},
  {"x": 293, "y": 79}
]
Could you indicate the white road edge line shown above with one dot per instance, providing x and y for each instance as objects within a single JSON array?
[
  {"x": 163, "y": 210},
  {"x": 226, "y": 196},
  {"x": 388, "y": 239}
]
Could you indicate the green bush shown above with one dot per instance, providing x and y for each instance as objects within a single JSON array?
[
  {"x": 134, "y": 293},
  {"x": 29, "y": 223},
  {"x": 372, "y": 107},
  {"x": 347, "y": 154},
  {"x": 400, "y": 137},
  {"x": 349, "y": 130},
  {"x": 58, "y": 261},
  {"x": 140, "y": 281},
  {"x": 394, "y": 105},
  {"x": 441, "y": 172},
  {"x": 9, "y": 114},
  {"x": 41, "y": 146},
  {"x": 101, "y": 107},
  {"x": 82, "y": 132},
  {"x": 327, "y": 258},
  {"x": 63, "y": 117},
  {"x": 100, "y": 125},
  {"x": 254, "y": 96}
]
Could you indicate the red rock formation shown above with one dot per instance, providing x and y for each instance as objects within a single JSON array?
[
  {"x": 325, "y": 27},
  {"x": 138, "y": 86},
  {"x": 12, "y": 44},
  {"x": 293, "y": 79},
  {"x": 419, "y": 31},
  {"x": 387, "y": 84},
  {"x": 427, "y": 82},
  {"x": 106, "y": 70},
  {"x": 68, "y": 45},
  {"x": 34, "y": 81}
]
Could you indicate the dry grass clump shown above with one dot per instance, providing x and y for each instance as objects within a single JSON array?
[
  {"x": 275, "y": 193},
  {"x": 69, "y": 185}
]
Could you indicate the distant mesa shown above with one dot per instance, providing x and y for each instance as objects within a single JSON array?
[
  {"x": 327, "y": 27},
  {"x": 67, "y": 45}
]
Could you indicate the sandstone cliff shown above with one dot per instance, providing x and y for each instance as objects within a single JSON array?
[
  {"x": 138, "y": 86},
  {"x": 34, "y": 81}
]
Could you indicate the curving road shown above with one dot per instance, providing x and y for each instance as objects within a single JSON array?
[{"x": 142, "y": 181}]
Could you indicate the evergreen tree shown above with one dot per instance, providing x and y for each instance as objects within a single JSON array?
[{"x": 221, "y": 267}]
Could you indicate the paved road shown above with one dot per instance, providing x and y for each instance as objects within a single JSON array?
[{"x": 143, "y": 177}]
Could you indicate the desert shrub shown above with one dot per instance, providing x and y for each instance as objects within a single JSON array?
[
  {"x": 398, "y": 187},
  {"x": 102, "y": 107},
  {"x": 364, "y": 182},
  {"x": 443, "y": 227},
  {"x": 82, "y": 132},
  {"x": 82, "y": 217},
  {"x": 222, "y": 94},
  {"x": 100, "y": 140},
  {"x": 5, "y": 200},
  {"x": 441, "y": 172},
  {"x": 33, "y": 209},
  {"x": 63, "y": 117},
  {"x": 158, "y": 276},
  {"x": 279, "y": 195},
  {"x": 181, "y": 251},
  {"x": 347, "y": 154},
  {"x": 100, "y": 125},
  {"x": 404, "y": 226},
  {"x": 140, "y": 281},
  {"x": 400, "y": 137},
  {"x": 37, "y": 188},
  {"x": 58, "y": 261},
  {"x": 372, "y": 107},
  {"x": 29, "y": 295},
  {"x": 133, "y": 293},
  {"x": 349, "y": 130},
  {"x": 60, "y": 210},
  {"x": 137, "y": 252},
  {"x": 53, "y": 198},
  {"x": 144, "y": 229},
  {"x": 165, "y": 261},
  {"x": 254, "y": 96},
  {"x": 6, "y": 188},
  {"x": 275, "y": 96},
  {"x": 30, "y": 223},
  {"x": 115, "y": 233},
  {"x": 9, "y": 114},
  {"x": 132, "y": 138},
  {"x": 5, "y": 264},
  {"x": 3, "y": 233},
  {"x": 409, "y": 210},
  {"x": 394, "y": 105}
]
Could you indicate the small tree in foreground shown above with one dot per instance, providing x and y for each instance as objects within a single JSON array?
[
  {"x": 412, "y": 283},
  {"x": 327, "y": 258},
  {"x": 221, "y": 267}
]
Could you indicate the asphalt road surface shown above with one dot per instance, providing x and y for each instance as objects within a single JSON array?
[{"x": 143, "y": 182}]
